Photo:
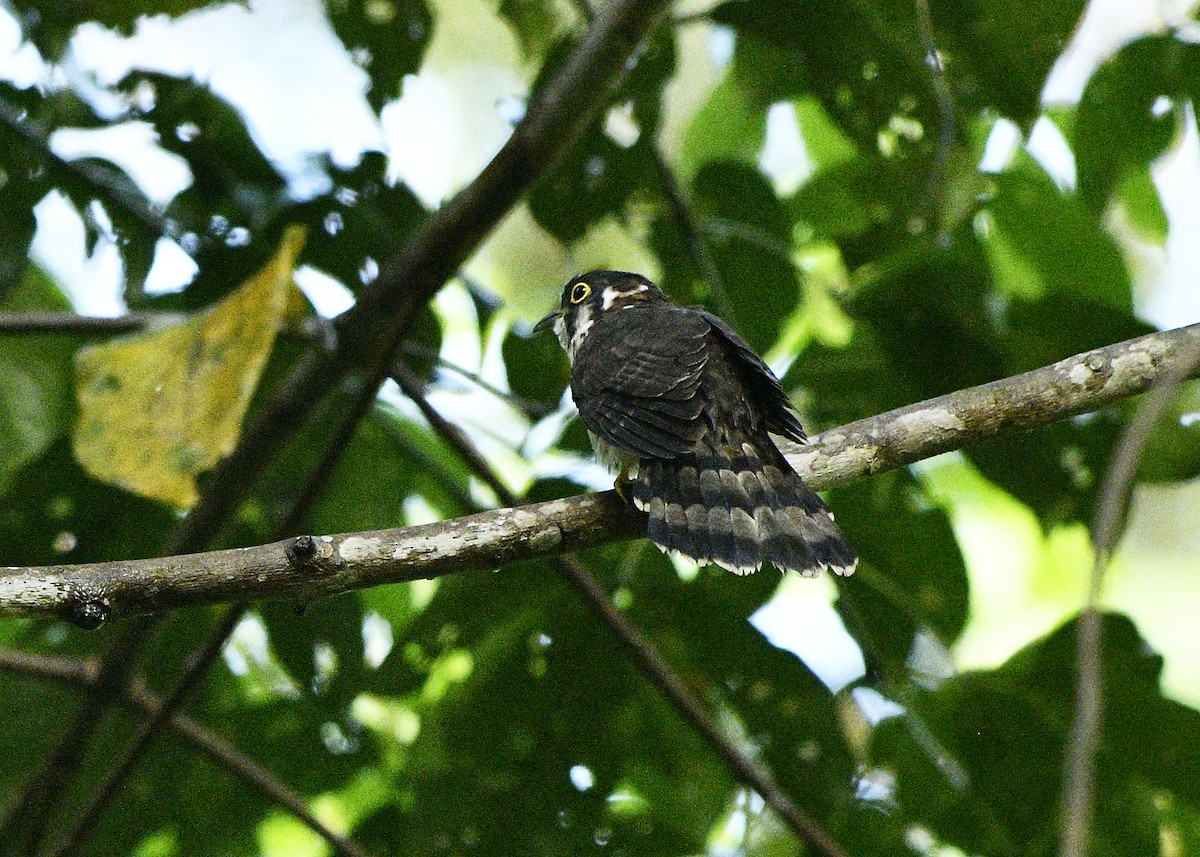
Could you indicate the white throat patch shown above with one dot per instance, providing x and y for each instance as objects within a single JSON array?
[{"x": 572, "y": 340}]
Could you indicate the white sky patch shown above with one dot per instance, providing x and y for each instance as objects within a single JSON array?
[
  {"x": 312, "y": 101},
  {"x": 800, "y": 619},
  {"x": 874, "y": 705},
  {"x": 92, "y": 283},
  {"x": 581, "y": 777},
  {"x": 327, "y": 295},
  {"x": 378, "y": 639},
  {"x": 1050, "y": 148},
  {"x": 172, "y": 270},
  {"x": 784, "y": 156},
  {"x": 20, "y": 62},
  {"x": 132, "y": 146}
]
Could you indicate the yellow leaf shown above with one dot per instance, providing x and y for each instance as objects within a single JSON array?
[{"x": 157, "y": 409}]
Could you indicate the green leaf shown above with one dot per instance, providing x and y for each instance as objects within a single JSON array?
[
  {"x": 1130, "y": 112},
  {"x": 727, "y": 128},
  {"x": 36, "y": 405},
  {"x": 386, "y": 39},
  {"x": 22, "y": 185},
  {"x": 703, "y": 628},
  {"x": 598, "y": 177},
  {"x": 54, "y": 512},
  {"x": 1172, "y": 453},
  {"x": 750, "y": 240},
  {"x": 506, "y": 738},
  {"x": 998, "y": 53},
  {"x": 1057, "y": 240},
  {"x": 862, "y": 60},
  {"x": 537, "y": 367},
  {"x": 1143, "y": 206},
  {"x": 906, "y": 585},
  {"x": 537, "y": 24},
  {"x": 929, "y": 310},
  {"x": 320, "y": 647},
  {"x": 976, "y": 777}
]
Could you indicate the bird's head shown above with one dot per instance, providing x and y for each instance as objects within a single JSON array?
[{"x": 589, "y": 297}]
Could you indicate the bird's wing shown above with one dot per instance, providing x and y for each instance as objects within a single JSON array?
[
  {"x": 777, "y": 407},
  {"x": 636, "y": 380}
]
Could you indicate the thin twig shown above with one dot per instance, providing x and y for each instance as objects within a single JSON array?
[
  {"x": 197, "y": 666},
  {"x": 83, "y": 672},
  {"x": 638, "y": 645},
  {"x": 530, "y": 407},
  {"x": 36, "y": 137},
  {"x": 697, "y": 246},
  {"x": 1111, "y": 504},
  {"x": 15, "y": 323},
  {"x": 25, "y": 826},
  {"x": 944, "y": 96}
]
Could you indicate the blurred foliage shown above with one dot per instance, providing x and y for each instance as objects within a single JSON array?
[{"x": 492, "y": 713}]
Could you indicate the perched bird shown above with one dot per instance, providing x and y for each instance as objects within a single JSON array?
[{"x": 676, "y": 401}]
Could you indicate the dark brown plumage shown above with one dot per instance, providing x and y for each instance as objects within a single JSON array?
[{"x": 677, "y": 400}]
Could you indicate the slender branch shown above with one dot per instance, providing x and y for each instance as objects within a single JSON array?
[
  {"x": 198, "y": 663},
  {"x": 136, "y": 695},
  {"x": 530, "y": 407},
  {"x": 25, "y": 826},
  {"x": 309, "y": 567},
  {"x": 697, "y": 247},
  {"x": 656, "y": 669},
  {"x": 14, "y": 323},
  {"x": 944, "y": 96},
  {"x": 36, "y": 137},
  {"x": 1111, "y": 504}
]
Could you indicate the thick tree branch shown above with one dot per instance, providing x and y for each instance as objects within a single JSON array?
[
  {"x": 310, "y": 567},
  {"x": 84, "y": 673}
]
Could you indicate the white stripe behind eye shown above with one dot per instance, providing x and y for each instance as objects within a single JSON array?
[{"x": 612, "y": 293}]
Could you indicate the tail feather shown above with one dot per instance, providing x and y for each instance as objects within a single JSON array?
[{"x": 738, "y": 508}]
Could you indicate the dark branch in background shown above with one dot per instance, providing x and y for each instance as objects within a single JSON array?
[
  {"x": 36, "y": 137},
  {"x": 26, "y": 825},
  {"x": 69, "y": 322},
  {"x": 310, "y": 327},
  {"x": 137, "y": 696},
  {"x": 1111, "y": 505},
  {"x": 697, "y": 247},
  {"x": 198, "y": 663},
  {"x": 370, "y": 333},
  {"x": 945, "y": 104},
  {"x": 647, "y": 657},
  {"x": 308, "y": 567}
]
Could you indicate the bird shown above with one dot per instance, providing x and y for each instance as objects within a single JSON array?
[{"x": 683, "y": 409}]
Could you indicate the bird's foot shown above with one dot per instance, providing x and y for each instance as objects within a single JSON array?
[{"x": 622, "y": 485}]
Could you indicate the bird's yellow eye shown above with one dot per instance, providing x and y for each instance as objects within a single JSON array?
[{"x": 580, "y": 293}]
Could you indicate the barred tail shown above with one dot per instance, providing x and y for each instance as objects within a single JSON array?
[{"x": 738, "y": 508}]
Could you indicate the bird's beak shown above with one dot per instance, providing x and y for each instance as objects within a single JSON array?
[{"x": 547, "y": 322}]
